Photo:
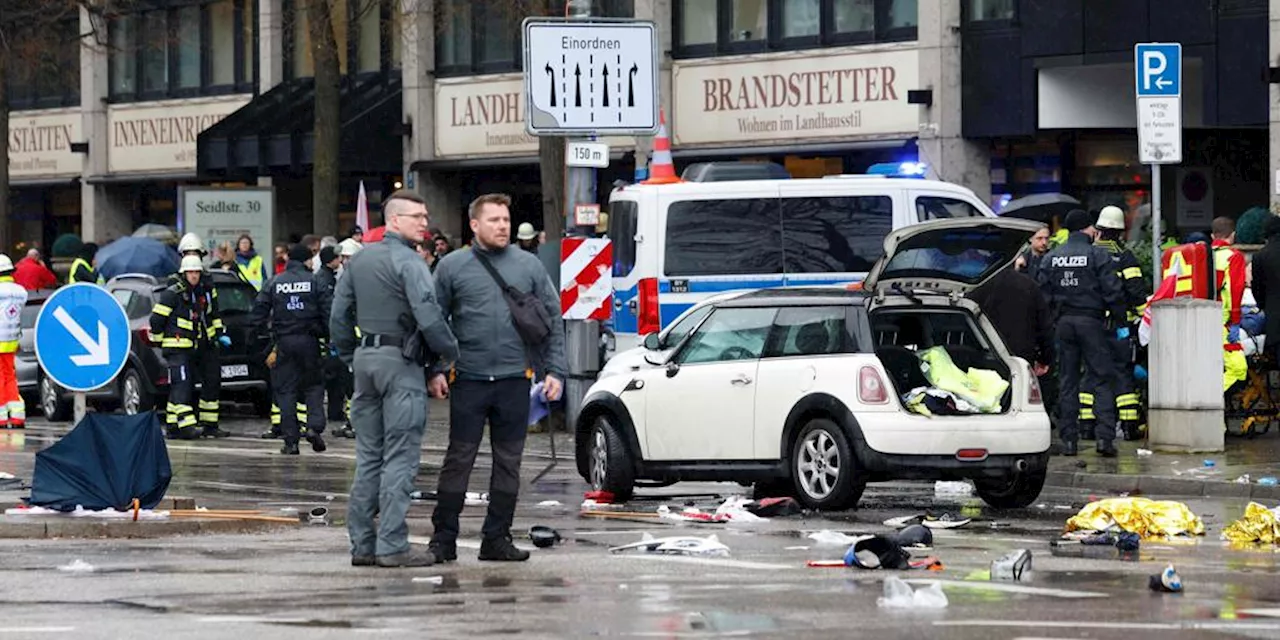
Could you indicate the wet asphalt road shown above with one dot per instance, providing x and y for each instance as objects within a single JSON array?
[{"x": 296, "y": 582}]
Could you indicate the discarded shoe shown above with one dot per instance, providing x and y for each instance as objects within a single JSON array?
[
  {"x": 544, "y": 537},
  {"x": 945, "y": 521},
  {"x": 1167, "y": 581},
  {"x": 876, "y": 552},
  {"x": 904, "y": 521},
  {"x": 916, "y": 535}
]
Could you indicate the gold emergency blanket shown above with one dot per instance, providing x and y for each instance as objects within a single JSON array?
[
  {"x": 1147, "y": 518},
  {"x": 1259, "y": 524}
]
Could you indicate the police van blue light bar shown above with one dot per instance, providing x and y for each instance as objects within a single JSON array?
[{"x": 898, "y": 169}]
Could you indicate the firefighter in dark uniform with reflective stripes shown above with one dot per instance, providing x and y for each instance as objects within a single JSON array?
[
  {"x": 297, "y": 306},
  {"x": 1110, "y": 228},
  {"x": 186, "y": 322},
  {"x": 1080, "y": 282}
]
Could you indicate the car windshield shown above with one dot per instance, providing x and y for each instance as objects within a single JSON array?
[{"x": 235, "y": 298}]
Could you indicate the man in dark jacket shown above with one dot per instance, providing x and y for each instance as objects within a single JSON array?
[
  {"x": 493, "y": 374},
  {"x": 1012, "y": 301},
  {"x": 1080, "y": 282},
  {"x": 1266, "y": 283},
  {"x": 188, "y": 325},
  {"x": 337, "y": 379}
]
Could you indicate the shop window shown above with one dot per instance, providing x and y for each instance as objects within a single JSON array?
[
  {"x": 50, "y": 75},
  {"x": 483, "y": 36},
  {"x": 366, "y": 34},
  {"x": 184, "y": 50},
  {"x": 717, "y": 27},
  {"x": 989, "y": 10}
]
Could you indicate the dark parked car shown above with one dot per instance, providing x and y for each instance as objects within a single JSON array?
[
  {"x": 143, "y": 384},
  {"x": 28, "y": 368}
]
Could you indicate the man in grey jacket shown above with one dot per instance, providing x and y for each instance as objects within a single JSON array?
[
  {"x": 492, "y": 376},
  {"x": 388, "y": 292}
]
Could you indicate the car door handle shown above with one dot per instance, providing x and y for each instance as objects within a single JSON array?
[{"x": 741, "y": 378}]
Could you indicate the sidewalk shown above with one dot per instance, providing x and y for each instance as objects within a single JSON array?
[{"x": 1168, "y": 475}]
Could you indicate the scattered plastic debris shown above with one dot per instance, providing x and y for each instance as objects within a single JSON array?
[
  {"x": 5, "y": 475},
  {"x": 1209, "y": 464},
  {"x": 601, "y": 497},
  {"x": 475, "y": 499},
  {"x": 1244, "y": 479},
  {"x": 802, "y": 548},
  {"x": 774, "y": 507},
  {"x": 829, "y": 538},
  {"x": 899, "y": 595},
  {"x": 77, "y": 566},
  {"x": 876, "y": 552},
  {"x": 1259, "y": 524},
  {"x": 318, "y": 516},
  {"x": 943, "y": 488},
  {"x": 914, "y": 537},
  {"x": 709, "y": 546},
  {"x": 430, "y": 579},
  {"x": 946, "y": 521},
  {"x": 80, "y": 512},
  {"x": 550, "y": 503},
  {"x": 1167, "y": 581},
  {"x": 736, "y": 509},
  {"x": 544, "y": 537},
  {"x": 1013, "y": 566},
  {"x": 1145, "y": 453},
  {"x": 1268, "y": 481}
]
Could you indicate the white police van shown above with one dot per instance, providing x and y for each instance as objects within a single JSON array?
[{"x": 675, "y": 245}]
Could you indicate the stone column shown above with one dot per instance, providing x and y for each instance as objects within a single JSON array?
[
  {"x": 102, "y": 216},
  {"x": 270, "y": 44},
  {"x": 1273, "y": 177},
  {"x": 942, "y": 145}
]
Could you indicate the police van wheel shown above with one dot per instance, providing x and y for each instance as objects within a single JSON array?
[
  {"x": 609, "y": 464},
  {"x": 1017, "y": 491}
]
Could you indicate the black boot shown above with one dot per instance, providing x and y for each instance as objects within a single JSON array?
[
  {"x": 1070, "y": 449},
  {"x": 1106, "y": 449},
  {"x": 346, "y": 431},
  {"x": 444, "y": 520},
  {"x": 317, "y": 443},
  {"x": 213, "y": 431},
  {"x": 501, "y": 550},
  {"x": 289, "y": 449},
  {"x": 1087, "y": 430},
  {"x": 188, "y": 433},
  {"x": 270, "y": 434}
]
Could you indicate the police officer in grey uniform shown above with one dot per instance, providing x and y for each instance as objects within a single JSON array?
[
  {"x": 1080, "y": 282},
  {"x": 389, "y": 293}
]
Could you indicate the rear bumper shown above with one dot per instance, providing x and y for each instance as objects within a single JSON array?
[{"x": 880, "y": 466}]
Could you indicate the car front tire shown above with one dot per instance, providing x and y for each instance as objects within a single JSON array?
[
  {"x": 1017, "y": 491},
  {"x": 609, "y": 464},
  {"x": 824, "y": 469}
]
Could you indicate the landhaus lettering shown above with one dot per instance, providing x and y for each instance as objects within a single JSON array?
[
  {"x": 773, "y": 90},
  {"x": 146, "y": 132}
]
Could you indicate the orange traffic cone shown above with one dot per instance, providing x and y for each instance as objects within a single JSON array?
[{"x": 661, "y": 168}]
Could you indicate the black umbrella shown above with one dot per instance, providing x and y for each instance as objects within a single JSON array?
[
  {"x": 107, "y": 461},
  {"x": 1040, "y": 207}
]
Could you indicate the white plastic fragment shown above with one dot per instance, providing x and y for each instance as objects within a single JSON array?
[
  {"x": 952, "y": 489},
  {"x": 77, "y": 566},
  {"x": 829, "y": 538},
  {"x": 1143, "y": 453},
  {"x": 430, "y": 579},
  {"x": 899, "y": 595}
]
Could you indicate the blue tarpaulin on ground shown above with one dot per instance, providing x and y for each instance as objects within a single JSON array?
[{"x": 105, "y": 462}]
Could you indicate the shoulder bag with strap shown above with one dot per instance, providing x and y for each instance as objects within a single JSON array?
[{"x": 527, "y": 313}]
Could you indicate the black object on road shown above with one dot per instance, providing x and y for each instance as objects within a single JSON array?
[
  {"x": 544, "y": 537},
  {"x": 107, "y": 461}
]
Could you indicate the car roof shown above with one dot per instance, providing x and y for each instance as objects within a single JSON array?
[{"x": 797, "y": 297}]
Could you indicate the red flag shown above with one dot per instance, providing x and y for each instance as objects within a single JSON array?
[{"x": 1168, "y": 290}]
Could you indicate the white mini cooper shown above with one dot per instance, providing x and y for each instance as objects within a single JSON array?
[{"x": 804, "y": 386}]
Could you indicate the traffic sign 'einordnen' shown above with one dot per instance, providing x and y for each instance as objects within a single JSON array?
[
  {"x": 82, "y": 337},
  {"x": 1158, "y": 90},
  {"x": 590, "y": 76}
]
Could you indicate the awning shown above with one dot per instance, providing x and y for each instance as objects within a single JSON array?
[{"x": 274, "y": 132}]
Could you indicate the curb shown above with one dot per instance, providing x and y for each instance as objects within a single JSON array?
[
  {"x": 38, "y": 528},
  {"x": 1160, "y": 486}
]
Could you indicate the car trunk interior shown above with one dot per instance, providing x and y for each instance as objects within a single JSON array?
[{"x": 901, "y": 333}]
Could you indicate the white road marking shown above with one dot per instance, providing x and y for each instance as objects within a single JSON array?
[
  {"x": 1265, "y": 613},
  {"x": 1190, "y": 625},
  {"x": 1009, "y": 588},
  {"x": 37, "y": 629},
  {"x": 714, "y": 562}
]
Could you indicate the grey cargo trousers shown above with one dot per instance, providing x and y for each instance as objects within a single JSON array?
[{"x": 389, "y": 414}]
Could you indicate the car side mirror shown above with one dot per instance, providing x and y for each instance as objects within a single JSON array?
[{"x": 652, "y": 342}]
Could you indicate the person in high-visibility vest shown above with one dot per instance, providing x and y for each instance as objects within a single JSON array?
[
  {"x": 84, "y": 268},
  {"x": 13, "y": 298},
  {"x": 251, "y": 265},
  {"x": 1229, "y": 268}
]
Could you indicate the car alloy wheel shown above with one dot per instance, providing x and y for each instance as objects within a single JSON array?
[
  {"x": 48, "y": 398},
  {"x": 599, "y": 460},
  {"x": 131, "y": 395},
  {"x": 819, "y": 464}
]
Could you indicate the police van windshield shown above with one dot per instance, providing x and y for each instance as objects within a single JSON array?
[{"x": 768, "y": 236}]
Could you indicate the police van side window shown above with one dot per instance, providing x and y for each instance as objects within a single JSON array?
[
  {"x": 623, "y": 225},
  {"x": 723, "y": 237},
  {"x": 835, "y": 235},
  {"x": 940, "y": 208}
]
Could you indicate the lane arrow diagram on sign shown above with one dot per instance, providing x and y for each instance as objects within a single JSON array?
[
  {"x": 98, "y": 351},
  {"x": 552, "y": 74},
  {"x": 577, "y": 86}
]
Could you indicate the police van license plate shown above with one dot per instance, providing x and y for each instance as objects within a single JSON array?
[{"x": 235, "y": 371}]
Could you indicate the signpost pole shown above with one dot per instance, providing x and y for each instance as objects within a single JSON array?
[
  {"x": 78, "y": 407},
  {"x": 1156, "y": 223}
]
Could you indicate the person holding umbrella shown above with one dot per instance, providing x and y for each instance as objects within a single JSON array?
[{"x": 84, "y": 269}]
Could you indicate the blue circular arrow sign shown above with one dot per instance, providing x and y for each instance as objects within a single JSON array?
[{"x": 82, "y": 337}]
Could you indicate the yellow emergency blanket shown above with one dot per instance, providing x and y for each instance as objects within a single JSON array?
[
  {"x": 1259, "y": 524},
  {"x": 1147, "y": 518},
  {"x": 980, "y": 387}
]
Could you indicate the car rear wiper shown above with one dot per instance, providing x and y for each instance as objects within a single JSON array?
[{"x": 898, "y": 289}]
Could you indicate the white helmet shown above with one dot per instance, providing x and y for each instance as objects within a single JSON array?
[
  {"x": 348, "y": 247},
  {"x": 191, "y": 263},
  {"x": 5, "y": 263},
  {"x": 190, "y": 242},
  {"x": 1111, "y": 217}
]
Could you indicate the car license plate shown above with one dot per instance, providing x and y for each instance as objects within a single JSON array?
[{"x": 235, "y": 371}]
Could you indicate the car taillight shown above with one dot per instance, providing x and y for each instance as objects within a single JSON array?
[
  {"x": 648, "y": 319},
  {"x": 143, "y": 336},
  {"x": 871, "y": 388},
  {"x": 1033, "y": 396}
]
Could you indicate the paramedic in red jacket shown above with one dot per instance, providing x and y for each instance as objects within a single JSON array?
[{"x": 31, "y": 273}]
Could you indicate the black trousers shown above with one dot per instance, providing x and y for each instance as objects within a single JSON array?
[
  {"x": 338, "y": 387},
  {"x": 299, "y": 374},
  {"x": 504, "y": 405},
  {"x": 187, "y": 368},
  {"x": 1083, "y": 343}
]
